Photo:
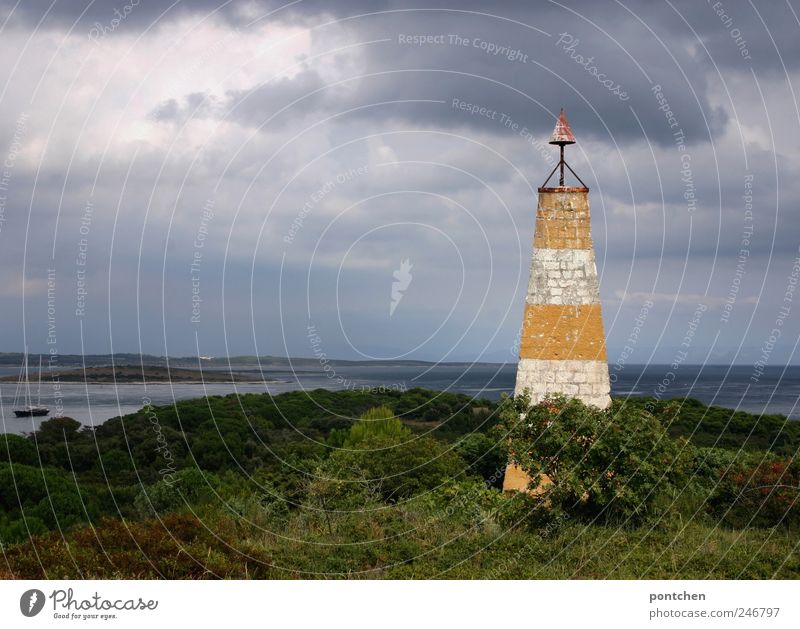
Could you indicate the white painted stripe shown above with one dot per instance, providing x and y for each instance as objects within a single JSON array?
[
  {"x": 563, "y": 277},
  {"x": 586, "y": 380}
]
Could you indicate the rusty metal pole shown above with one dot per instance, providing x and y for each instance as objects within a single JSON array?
[{"x": 562, "y": 135}]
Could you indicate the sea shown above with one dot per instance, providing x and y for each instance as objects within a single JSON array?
[{"x": 776, "y": 390}]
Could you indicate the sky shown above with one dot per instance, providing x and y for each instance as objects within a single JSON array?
[{"x": 359, "y": 179}]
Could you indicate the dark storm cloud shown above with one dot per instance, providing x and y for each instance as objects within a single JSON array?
[
  {"x": 305, "y": 92},
  {"x": 519, "y": 71},
  {"x": 725, "y": 29},
  {"x": 634, "y": 46}
]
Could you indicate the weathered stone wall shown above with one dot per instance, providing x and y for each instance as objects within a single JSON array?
[
  {"x": 563, "y": 333},
  {"x": 563, "y": 221},
  {"x": 563, "y": 276},
  {"x": 586, "y": 380}
]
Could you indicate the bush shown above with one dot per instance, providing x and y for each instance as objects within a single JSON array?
[
  {"x": 379, "y": 422},
  {"x": 41, "y": 494},
  {"x": 16, "y": 449},
  {"x": 181, "y": 489},
  {"x": 398, "y": 467},
  {"x": 58, "y": 430},
  {"x": 767, "y": 494},
  {"x": 116, "y": 462},
  {"x": 468, "y": 502},
  {"x": 485, "y": 456},
  {"x": 611, "y": 464},
  {"x": 21, "y": 530}
]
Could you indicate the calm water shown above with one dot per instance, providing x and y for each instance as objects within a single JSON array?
[{"x": 777, "y": 391}]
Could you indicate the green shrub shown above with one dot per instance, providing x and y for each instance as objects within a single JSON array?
[
  {"x": 485, "y": 456},
  {"x": 610, "y": 464},
  {"x": 766, "y": 494},
  {"x": 16, "y": 449},
  {"x": 378, "y": 422},
  {"x": 116, "y": 462},
  {"x": 22, "y": 529},
  {"x": 181, "y": 489},
  {"x": 58, "y": 429},
  {"x": 48, "y": 495},
  {"x": 399, "y": 466}
]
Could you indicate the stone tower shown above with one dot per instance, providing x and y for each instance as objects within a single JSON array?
[{"x": 562, "y": 344}]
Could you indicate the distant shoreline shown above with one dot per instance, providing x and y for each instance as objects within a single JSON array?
[
  {"x": 136, "y": 374},
  {"x": 195, "y": 363}
]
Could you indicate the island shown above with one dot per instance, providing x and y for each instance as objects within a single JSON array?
[{"x": 137, "y": 374}]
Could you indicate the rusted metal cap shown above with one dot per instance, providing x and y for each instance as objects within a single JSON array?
[{"x": 562, "y": 134}]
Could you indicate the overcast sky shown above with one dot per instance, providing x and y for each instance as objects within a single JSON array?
[{"x": 215, "y": 178}]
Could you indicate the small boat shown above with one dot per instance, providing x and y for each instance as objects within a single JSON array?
[{"x": 30, "y": 410}]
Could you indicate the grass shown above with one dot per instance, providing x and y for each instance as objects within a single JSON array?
[{"x": 399, "y": 544}]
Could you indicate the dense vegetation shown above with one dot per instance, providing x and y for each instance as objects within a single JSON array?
[{"x": 391, "y": 484}]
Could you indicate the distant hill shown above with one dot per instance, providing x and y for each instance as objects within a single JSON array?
[
  {"x": 136, "y": 374},
  {"x": 106, "y": 360}
]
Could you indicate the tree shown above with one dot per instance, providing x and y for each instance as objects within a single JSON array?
[
  {"x": 378, "y": 422},
  {"x": 185, "y": 487},
  {"x": 486, "y": 456},
  {"x": 766, "y": 493},
  {"x": 58, "y": 429},
  {"x": 400, "y": 467},
  {"x": 608, "y": 464},
  {"x": 16, "y": 449}
]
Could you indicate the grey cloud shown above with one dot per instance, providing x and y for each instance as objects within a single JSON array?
[{"x": 529, "y": 90}]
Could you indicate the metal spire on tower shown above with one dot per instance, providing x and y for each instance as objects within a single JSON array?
[{"x": 562, "y": 135}]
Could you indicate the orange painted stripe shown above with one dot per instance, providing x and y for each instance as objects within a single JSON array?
[
  {"x": 517, "y": 479},
  {"x": 562, "y": 229},
  {"x": 552, "y": 332}
]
